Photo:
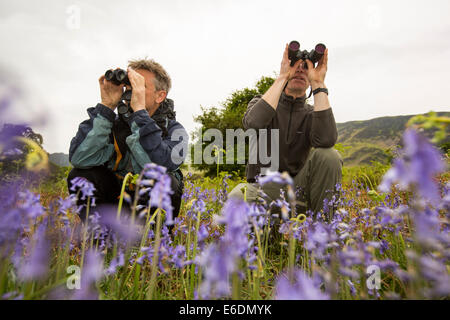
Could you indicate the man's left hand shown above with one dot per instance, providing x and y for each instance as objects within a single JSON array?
[
  {"x": 138, "y": 86},
  {"x": 316, "y": 76}
]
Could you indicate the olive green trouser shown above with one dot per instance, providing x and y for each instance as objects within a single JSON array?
[{"x": 317, "y": 180}]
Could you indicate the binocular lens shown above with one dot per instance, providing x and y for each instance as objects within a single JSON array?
[
  {"x": 320, "y": 48},
  {"x": 294, "y": 45},
  {"x": 122, "y": 108},
  {"x": 121, "y": 75},
  {"x": 109, "y": 75}
]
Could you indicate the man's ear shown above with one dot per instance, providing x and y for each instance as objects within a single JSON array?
[{"x": 160, "y": 96}]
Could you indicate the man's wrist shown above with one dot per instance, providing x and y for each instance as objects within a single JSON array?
[
  {"x": 282, "y": 78},
  {"x": 315, "y": 85},
  {"x": 136, "y": 109},
  {"x": 108, "y": 105},
  {"x": 137, "y": 105}
]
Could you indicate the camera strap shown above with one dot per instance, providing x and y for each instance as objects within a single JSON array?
[{"x": 120, "y": 131}]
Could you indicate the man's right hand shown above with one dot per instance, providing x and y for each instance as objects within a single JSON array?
[
  {"x": 286, "y": 71},
  {"x": 272, "y": 95},
  {"x": 110, "y": 93}
]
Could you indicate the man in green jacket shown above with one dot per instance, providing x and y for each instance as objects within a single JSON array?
[{"x": 306, "y": 134}]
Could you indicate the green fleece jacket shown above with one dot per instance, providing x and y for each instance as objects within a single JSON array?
[{"x": 300, "y": 128}]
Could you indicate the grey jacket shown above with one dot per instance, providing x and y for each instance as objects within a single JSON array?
[{"x": 300, "y": 128}]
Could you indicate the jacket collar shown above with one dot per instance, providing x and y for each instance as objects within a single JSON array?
[{"x": 289, "y": 101}]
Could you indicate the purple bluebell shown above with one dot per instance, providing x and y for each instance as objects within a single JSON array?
[
  {"x": 275, "y": 177},
  {"x": 302, "y": 288},
  {"x": 419, "y": 163},
  {"x": 159, "y": 189},
  {"x": 235, "y": 217},
  {"x": 122, "y": 227},
  {"x": 178, "y": 256},
  {"x": 36, "y": 265},
  {"x": 91, "y": 273},
  {"x": 30, "y": 203},
  {"x": 352, "y": 287},
  {"x": 219, "y": 263},
  {"x": 220, "y": 259},
  {"x": 320, "y": 238},
  {"x": 115, "y": 263},
  {"x": 203, "y": 233},
  {"x": 85, "y": 186}
]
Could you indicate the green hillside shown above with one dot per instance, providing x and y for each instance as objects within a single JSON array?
[{"x": 366, "y": 141}]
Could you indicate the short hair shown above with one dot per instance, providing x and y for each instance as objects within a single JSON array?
[{"x": 162, "y": 79}]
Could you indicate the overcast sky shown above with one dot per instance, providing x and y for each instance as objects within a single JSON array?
[{"x": 385, "y": 57}]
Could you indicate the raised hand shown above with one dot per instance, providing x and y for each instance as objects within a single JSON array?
[
  {"x": 110, "y": 93},
  {"x": 316, "y": 76},
  {"x": 138, "y": 86},
  {"x": 286, "y": 71}
]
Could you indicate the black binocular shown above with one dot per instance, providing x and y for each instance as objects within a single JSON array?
[
  {"x": 120, "y": 76},
  {"x": 294, "y": 53}
]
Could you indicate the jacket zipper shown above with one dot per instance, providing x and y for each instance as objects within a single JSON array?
[{"x": 289, "y": 126}]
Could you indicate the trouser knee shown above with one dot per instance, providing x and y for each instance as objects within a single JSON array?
[
  {"x": 237, "y": 192},
  {"x": 328, "y": 157}
]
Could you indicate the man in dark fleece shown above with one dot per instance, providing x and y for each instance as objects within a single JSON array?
[
  {"x": 107, "y": 147},
  {"x": 306, "y": 134}
]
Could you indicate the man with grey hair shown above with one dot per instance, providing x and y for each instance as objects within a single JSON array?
[
  {"x": 301, "y": 127},
  {"x": 107, "y": 147}
]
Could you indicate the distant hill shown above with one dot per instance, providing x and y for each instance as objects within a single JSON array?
[
  {"x": 60, "y": 159},
  {"x": 367, "y": 141}
]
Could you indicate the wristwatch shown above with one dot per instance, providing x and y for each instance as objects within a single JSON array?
[{"x": 320, "y": 90}]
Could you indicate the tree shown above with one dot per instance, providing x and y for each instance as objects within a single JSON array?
[{"x": 228, "y": 117}]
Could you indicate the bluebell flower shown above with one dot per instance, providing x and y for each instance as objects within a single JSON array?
[
  {"x": 419, "y": 163},
  {"x": 178, "y": 256},
  {"x": 302, "y": 288},
  {"x": 219, "y": 263},
  {"x": 92, "y": 273},
  {"x": 275, "y": 177},
  {"x": 352, "y": 287},
  {"x": 36, "y": 266},
  {"x": 115, "y": 263},
  {"x": 86, "y": 187},
  {"x": 30, "y": 203},
  {"x": 235, "y": 217},
  {"x": 202, "y": 234},
  {"x": 220, "y": 260},
  {"x": 159, "y": 189},
  {"x": 122, "y": 227}
]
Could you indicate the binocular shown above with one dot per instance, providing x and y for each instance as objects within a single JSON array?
[
  {"x": 120, "y": 76},
  {"x": 295, "y": 54}
]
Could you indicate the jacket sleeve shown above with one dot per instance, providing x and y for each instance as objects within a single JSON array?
[
  {"x": 258, "y": 115},
  {"x": 147, "y": 144},
  {"x": 323, "y": 129},
  {"x": 91, "y": 146}
]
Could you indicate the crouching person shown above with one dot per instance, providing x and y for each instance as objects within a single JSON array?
[
  {"x": 107, "y": 146},
  {"x": 306, "y": 135}
]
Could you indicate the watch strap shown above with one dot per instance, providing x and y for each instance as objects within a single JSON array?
[{"x": 320, "y": 90}]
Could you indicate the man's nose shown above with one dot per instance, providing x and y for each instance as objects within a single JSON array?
[{"x": 302, "y": 66}]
